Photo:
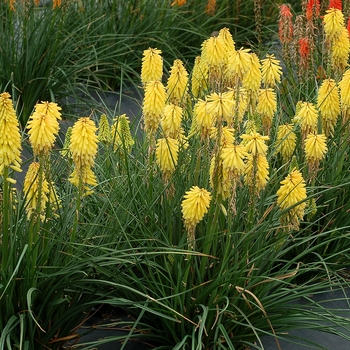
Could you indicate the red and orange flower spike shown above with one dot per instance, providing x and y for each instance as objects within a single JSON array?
[
  {"x": 336, "y": 4},
  {"x": 285, "y": 24},
  {"x": 312, "y": 9}
]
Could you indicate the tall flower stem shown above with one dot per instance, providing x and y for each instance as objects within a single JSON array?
[
  {"x": 76, "y": 216},
  {"x": 5, "y": 219}
]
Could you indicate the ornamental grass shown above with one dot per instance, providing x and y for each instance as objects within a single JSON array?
[{"x": 211, "y": 218}]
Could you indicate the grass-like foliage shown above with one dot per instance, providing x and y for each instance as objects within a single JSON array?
[
  {"x": 213, "y": 217},
  {"x": 54, "y": 54}
]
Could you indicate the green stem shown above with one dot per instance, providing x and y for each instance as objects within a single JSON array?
[
  {"x": 5, "y": 220},
  {"x": 76, "y": 216}
]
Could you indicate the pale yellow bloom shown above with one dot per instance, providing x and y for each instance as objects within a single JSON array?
[
  {"x": 152, "y": 66},
  {"x": 153, "y": 105},
  {"x": 83, "y": 148},
  {"x": 204, "y": 120},
  {"x": 233, "y": 160},
  {"x": 43, "y": 130},
  {"x": 215, "y": 48},
  {"x": 271, "y": 71},
  {"x": 340, "y": 51},
  {"x": 171, "y": 120},
  {"x": 239, "y": 63},
  {"x": 291, "y": 192},
  {"x": 195, "y": 205},
  {"x": 344, "y": 87},
  {"x": 167, "y": 154},
  {"x": 307, "y": 117},
  {"x": 315, "y": 147},
  {"x": 255, "y": 143},
  {"x": 267, "y": 107},
  {"x": 10, "y": 138},
  {"x": 252, "y": 79},
  {"x": 220, "y": 105},
  {"x": 35, "y": 185},
  {"x": 49, "y": 108},
  {"x": 177, "y": 86},
  {"x": 328, "y": 103},
  {"x": 226, "y": 36},
  {"x": 256, "y": 171},
  {"x": 333, "y": 23},
  {"x": 286, "y": 141},
  {"x": 199, "y": 78}
]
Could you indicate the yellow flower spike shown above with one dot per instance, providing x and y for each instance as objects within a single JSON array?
[
  {"x": 315, "y": 147},
  {"x": 286, "y": 141},
  {"x": 291, "y": 192},
  {"x": 226, "y": 36},
  {"x": 328, "y": 103},
  {"x": 271, "y": 71},
  {"x": 252, "y": 79},
  {"x": 239, "y": 63},
  {"x": 220, "y": 105},
  {"x": 344, "y": 89},
  {"x": 199, "y": 78},
  {"x": 121, "y": 134},
  {"x": 240, "y": 104},
  {"x": 10, "y": 138},
  {"x": 167, "y": 154},
  {"x": 153, "y": 105},
  {"x": 307, "y": 117},
  {"x": 267, "y": 107},
  {"x": 256, "y": 172},
  {"x": 204, "y": 120},
  {"x": 152, "y": 66},
  {"x": 83, "y": 148},
  {"x": 83, "y": 142},
  {"x": 32, "y": 188},
  {"x": 333, "y": 23},
  {"x": 49, "y": 108},
  {"x": 43, "y": 129},
  {"x": 233, "y": 160},
  {"x": 227, "y": 135},
  {"x": 255, "y": 143},
  {"x": 83, "y": 175},
  {"x": 171, "y": 120},
  {"x": 195, "y": 205},
  {"x": 340, "y": 51},
  {"x": 104, "y": 130},
  {"x": 177, "y": 85},
  {"x": 215, "y": 48}
]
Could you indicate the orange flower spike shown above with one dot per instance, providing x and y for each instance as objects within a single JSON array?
[
  {"x": 285, "y": 24},
  {"x": 179, "y": 3},
  {"x": 210, "y": 8},
  {"x": 312, "y": 8},
  {"x": 335, "y": 4},
  {"x": 56, "y": 3}
]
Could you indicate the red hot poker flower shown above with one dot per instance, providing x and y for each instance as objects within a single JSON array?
[
  {"x": 336, "y": 4},
  {"x": 285, "y": 24},
  {"x": 312, "y": 8}
]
